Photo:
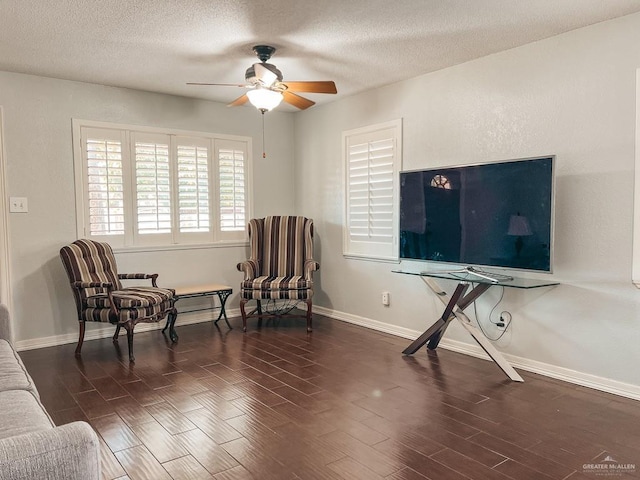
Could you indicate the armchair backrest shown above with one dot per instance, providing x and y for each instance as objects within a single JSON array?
[
  {"x": 281, "y": 244},
  {"x": 89, "y": 261}
]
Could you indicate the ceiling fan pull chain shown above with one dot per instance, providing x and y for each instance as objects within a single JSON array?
[{"x": 264, "y": 155}]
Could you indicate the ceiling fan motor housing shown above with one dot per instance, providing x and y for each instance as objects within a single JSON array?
[
  {"x": 264, "y": 52},
  {"x": 251, "y": 77}
]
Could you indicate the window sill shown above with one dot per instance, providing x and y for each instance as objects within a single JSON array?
[
  {"x": 182, "y": 246},
  {"x": 354, "y": 256}
]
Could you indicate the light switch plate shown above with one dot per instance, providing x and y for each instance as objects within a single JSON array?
[{"x": 18, "y": 205}]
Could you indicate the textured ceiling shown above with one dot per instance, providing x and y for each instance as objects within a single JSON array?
[{"x": 159, "y": 45}]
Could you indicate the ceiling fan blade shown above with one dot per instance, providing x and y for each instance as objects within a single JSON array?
[
  {"x": 221, "y": 84},
  {"x": 296, "y": 100},
  {"x": 239, "y": 101},
  {"x": 312, "y": 87}
]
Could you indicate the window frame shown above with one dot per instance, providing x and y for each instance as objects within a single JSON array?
[
  {"x": 370, "y": 249},
  {"x": 635, "y": 260},
  {"x": 131, "y": 240}
]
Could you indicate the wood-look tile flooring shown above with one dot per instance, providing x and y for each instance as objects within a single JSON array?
[{"x": 339, "y": 403}]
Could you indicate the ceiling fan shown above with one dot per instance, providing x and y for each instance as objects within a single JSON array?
[{"x": 265, "y": 86}]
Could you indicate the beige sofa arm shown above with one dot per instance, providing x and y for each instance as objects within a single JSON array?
[
  {"x": 5, "y": 324},
  {"x": 67, "y": 452}
]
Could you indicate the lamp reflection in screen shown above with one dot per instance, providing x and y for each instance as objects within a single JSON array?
[{"x": 519, "y": 227}]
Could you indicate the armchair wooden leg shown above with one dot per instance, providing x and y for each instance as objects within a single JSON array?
[
  {"x": 244, "y": 314},
  {"x": 129, "y": 329},
  {"x": 309, "y": 304},
  {"x": 172, "y": 326},
  {"x": 171, "y": 323},
  {"x": 117, "y": 334},
  {"x": 80, "y": 338},
  {"x": 259, "y": 305}
]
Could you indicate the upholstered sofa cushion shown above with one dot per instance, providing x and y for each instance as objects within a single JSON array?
[
  {"x": 21, "y": 413},
  {"x": 13, "y": 375}
]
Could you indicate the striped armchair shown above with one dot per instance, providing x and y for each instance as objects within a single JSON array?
[
  {"x": 100, "y": 296},
  {"x": 281, "y": 264}
]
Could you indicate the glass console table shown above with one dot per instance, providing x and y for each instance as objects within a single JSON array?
[{"x": 461, "y": 299}]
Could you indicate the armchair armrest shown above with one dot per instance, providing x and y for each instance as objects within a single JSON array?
[
  {"x": 79, "y": 285},
  {"x": 310, "y": 266},
  {"x": 71, "y": 451},
  {"x": 250, "y": 268},
  {"x": 139, "y": 276},
  {"x": 106, "y": 285}
]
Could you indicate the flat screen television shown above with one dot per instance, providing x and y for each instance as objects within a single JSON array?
[{"x": 497, "y": 214}]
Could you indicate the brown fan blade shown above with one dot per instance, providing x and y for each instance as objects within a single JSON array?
[
  {"x": 312, "y": 87},
  {"x": 239, "y": 101},
  {"x": 296, "y": 100},
  {"x": 219, "y": 84}
]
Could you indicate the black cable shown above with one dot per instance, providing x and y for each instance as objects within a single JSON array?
[
  {"x": 272, "y": 308},
  {"x": 504, "y": 313}
]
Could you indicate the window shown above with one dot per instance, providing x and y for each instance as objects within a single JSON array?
[
  {"x": 440, "y": 181},
  {"x": 372, "y": 158},
  {"x": 140, "y": 186}
]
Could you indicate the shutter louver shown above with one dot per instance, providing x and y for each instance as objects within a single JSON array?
[
  {"x": 153, "y": 190},
  {"x": 105, "y": 186},
  {"x": 371, "y": 179},
  {"x": 193, "y": 189},
  {"x": 232, "y": 201}
]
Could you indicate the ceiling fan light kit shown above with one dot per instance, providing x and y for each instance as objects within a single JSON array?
[
  {"x": 266, "y": 88},
  {"x": 264, "y": 99}
]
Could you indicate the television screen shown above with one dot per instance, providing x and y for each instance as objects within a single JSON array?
[{"x": 495, "y": 214}]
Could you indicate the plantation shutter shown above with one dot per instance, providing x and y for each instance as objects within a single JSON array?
[
  {"x": 232, "y": 188},
  {"x": 372, "y": 165},
  {"x": 139, "y": 187},
  {"x": 152, "y": 182},
  {"x": 192, "y": 159},
  {"x": 103, "y": 183}
]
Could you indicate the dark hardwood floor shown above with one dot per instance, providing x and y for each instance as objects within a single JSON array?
[{"x": 339, "y": 403}]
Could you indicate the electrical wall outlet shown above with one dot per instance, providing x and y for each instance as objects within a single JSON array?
[
  {"x": 18, "y": 205},
  {"x": 385, "y": 299}
]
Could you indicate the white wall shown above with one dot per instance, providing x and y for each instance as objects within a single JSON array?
[
  {"x": 573, "y": 96},
  {"x": 38, "y": 147}
]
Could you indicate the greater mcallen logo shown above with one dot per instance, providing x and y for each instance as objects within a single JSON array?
[{"x": 609, "y": 466}]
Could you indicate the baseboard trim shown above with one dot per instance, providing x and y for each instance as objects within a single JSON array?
[
  {"x": 368, "y": 323},
  {"x": 108, "y": 330},
  {"x": 575, "y": 377}
]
